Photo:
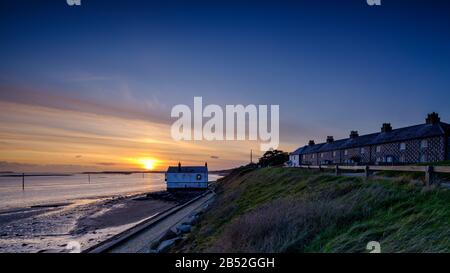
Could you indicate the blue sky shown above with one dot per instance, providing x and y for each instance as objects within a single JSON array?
[{"x": 332, "y": 67}]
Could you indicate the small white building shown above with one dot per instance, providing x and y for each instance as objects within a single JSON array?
[
  {"x": 294, "y": 158},
  {"x": 189, "y": 177}
]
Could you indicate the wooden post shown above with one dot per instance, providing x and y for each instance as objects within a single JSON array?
[
  {"x": 428, "y": 175},
  {"x": 367, "y": 171},
  {"x": 336, "y": 170},
  {"x": 23, "y": 181},
  {"x": 89, "y": 178}
]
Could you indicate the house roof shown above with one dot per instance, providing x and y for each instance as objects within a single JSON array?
[
  {"x": 187, "y": 169},
  {"x": 401, "y": 134}
]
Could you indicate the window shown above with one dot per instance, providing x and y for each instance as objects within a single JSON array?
[
  {"x": 402, "y": 159},
  {"x": 321, "y": 155},
  {"x": 378, "y": 149},
  {"x": 424, "y": 144},
  {"x": 345, "y": 152},
  {"x": 334, "y": 153},
  {"x": 312, "y": 156},
  {"x": 423, "y": 158},
  {"x": 402, "y": 146},
  {"x": 363, "y": 151}
]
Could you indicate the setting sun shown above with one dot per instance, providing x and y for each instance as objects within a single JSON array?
[{"x": 148, "y": 164}]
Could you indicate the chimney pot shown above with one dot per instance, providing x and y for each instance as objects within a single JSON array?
[
  {"x": 179, "y": 166},
  {"x": 206, "y": 164},
  {"x": 354, "y": 134},
  {"x": 433, "y": 118},
  {"x": 330, "y": 139},
  {"x": 386, "y": 127},
  {"x": 311, "y": 142}
]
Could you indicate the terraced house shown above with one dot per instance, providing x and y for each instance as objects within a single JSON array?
[{"x": 428, "y": 142}]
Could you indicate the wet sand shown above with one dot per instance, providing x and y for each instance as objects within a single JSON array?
[{"x": 50, "y": 227}]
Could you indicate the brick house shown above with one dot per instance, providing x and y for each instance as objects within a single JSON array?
[{"x": 428, "y": 142}]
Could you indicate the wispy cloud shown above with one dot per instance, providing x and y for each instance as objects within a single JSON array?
[
  {"x": 130, "y": 108},
  {"x": 106, "y": 163},
  {"x": 43, "y": 136}
]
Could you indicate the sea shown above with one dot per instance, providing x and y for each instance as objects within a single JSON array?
[{"x": 53, "y": 189}]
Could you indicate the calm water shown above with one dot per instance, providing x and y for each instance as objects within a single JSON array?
[{"x": 54, "y": 189}]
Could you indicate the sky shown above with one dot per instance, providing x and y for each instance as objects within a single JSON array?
[{"x": 91, "y": 87}]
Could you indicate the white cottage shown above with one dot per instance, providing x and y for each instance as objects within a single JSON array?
[{"x": 189, "y": 177}]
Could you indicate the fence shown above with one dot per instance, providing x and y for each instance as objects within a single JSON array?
[{"x": 429, "y": 171}]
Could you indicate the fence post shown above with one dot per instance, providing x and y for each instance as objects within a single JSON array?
[
  {"x": 336, "y": 170},
  {"x": 428, "y": 175},
  {"x": 367, "y": 171}
]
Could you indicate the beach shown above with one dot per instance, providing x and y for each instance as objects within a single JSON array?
[
  {"x": 88, "y": 222},
  {"x": 49, "y": 221}
]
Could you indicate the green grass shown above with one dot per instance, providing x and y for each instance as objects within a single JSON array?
[{"x": 293, "y": 210}]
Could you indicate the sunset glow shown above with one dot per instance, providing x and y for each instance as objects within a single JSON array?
[
  {"x": 100, "y": 98},
  {"x": 148, "y": 164}
]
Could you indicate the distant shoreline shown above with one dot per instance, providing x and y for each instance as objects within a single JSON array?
[
  {"x": 20, "y": 175},
  {"x": 16, "y": 174}
]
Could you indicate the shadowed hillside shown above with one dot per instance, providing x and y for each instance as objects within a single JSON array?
[{"x": 293, "y": 210}]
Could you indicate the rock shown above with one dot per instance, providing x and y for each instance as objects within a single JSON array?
[
  {"x": 195, "y": 213},
  {"x": 183, "y": 228},
  {"x": 165, "y": 245},
  {"x": 192, "y": 220},
  {"x": 169, "y": 234}
]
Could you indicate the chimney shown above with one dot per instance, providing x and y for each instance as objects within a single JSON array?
[
  {"x": 179, "y": 166},
  {"x": 206, "y": 164},
  {"x": 433, "y": 118},
  {"x": 386, "y": 128},
  {"x": 330, "y": 139},
  {"x": 354, "y": 134},
  {"x": 311, "y": 142}
]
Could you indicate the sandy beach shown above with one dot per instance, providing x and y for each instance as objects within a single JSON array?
[
  {"x": 50, "y": 227},
  {"x": 55, "y": 210}
]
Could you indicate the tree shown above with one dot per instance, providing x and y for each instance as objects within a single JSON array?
[{"x": 273, "y": 158}]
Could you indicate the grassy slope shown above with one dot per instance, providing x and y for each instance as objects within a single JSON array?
[{"x": 293, "y": 210}]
